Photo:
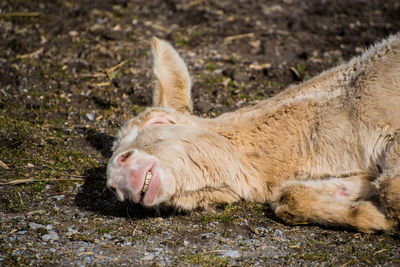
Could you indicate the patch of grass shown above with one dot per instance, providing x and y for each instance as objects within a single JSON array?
[
  {"x": 105, "y": 230},
  {"x": 219, "y": 218},
  {"x": 16, "y": 260},
  {"x": 14, "y": 202},
  {"x": 226, "y": 216},
  {"x": 81, "y": 237},
  {"x": 211, "y": 66},
  {"x": 313, "y": 256},
  {"x": 38, "y": 186}
]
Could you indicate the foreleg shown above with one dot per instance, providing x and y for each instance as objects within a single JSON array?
[{"x": 388, "y": 184}]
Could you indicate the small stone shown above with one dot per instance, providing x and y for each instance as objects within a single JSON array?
[
  {"x": 278, "y": 232},
  {"x": 148, "y": 257},
  {"x": 54, "y": 235},
  {"x": 90, "y": 116},
  {"x": 158, "y": 220},
  {"x": 60, "y": 197},
  {"x": 22, "y": 232},
  {"x": 231, "y": 254},
  {"x": 46, "y": 237},
  {"x": 35, "y": 226},
  {"x": 52, "y": 250},
  {"x": 73, "y": 33},
  {"x": 185, "y": 243},
  {"x": 30, "y": 165}
]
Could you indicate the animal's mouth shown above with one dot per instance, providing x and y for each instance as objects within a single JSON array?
[{"x": 146, "y": 184}]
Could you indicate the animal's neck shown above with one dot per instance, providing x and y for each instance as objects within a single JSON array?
[{"x": 267, "y": 141}]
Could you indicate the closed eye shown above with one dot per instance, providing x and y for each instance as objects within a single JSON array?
[{"x": 161, "y": 121}]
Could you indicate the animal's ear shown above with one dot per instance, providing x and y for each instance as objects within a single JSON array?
[{"x": 173, "y": 81}]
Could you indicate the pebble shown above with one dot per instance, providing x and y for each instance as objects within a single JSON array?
[
  {"x": 35, "y": 226},
  {"x": 59, "y": 197},
  {"x": 22, "y": 232},
  {"x": 52, "y": 235},
  {"x": 231, "y": 254},
  {"x": 90, "y": 116},
  {"x": 148, "y": 257},
  {"x": 52, "y": 250},
  {"x": 278, "y": 232},
  {"x": 46, "y": 237}
]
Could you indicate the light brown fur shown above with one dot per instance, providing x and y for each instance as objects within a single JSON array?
[{"x": 325, "y": 151}]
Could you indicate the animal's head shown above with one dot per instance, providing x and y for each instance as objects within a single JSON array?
[{"x": 167, "y": 155}]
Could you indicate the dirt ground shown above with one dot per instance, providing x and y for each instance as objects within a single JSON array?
[{"x": 71, "y": 73}]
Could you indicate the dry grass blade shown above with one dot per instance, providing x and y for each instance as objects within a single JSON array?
[
  {"x": 239, "y": 36},
  {"x": 3, "y": 165},
  {"x": 157, "y": 27},
  {"x": 193, "y": 3},
  {"x": 110, "y": 71},
  {"x": 31, "y": 55},
  {"x": 25, "y": 181},
  {"x": 102, "y": 84},
  {"x": 119, "y": 65},
  {"x": 20, "y": 14}
]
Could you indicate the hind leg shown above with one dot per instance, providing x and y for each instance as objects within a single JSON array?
[{"x": 331, "y": 202}]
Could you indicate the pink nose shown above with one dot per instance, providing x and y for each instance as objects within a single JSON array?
[{"x": 124, "y": 157}]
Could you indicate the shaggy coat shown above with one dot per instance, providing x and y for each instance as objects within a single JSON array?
[{"x": 326, "y": 151}]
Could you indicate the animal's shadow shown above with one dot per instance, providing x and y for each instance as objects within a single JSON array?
[{"x": 94, "y": 195}]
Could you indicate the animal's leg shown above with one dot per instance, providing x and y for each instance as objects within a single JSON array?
[
  {"x": 331, "y": 202},
  {"x": 388, "y": 183}
]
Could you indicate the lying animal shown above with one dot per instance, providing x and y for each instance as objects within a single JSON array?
[{"x": 326, "y": 151}]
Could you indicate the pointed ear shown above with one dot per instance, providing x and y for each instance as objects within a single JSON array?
[{"x": 173, "y": 82}]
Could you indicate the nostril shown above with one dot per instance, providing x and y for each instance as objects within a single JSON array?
[{"x": 123, "y": 157}]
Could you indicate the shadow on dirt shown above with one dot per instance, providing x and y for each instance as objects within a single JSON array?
[{"x": 94, "y": 194}]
